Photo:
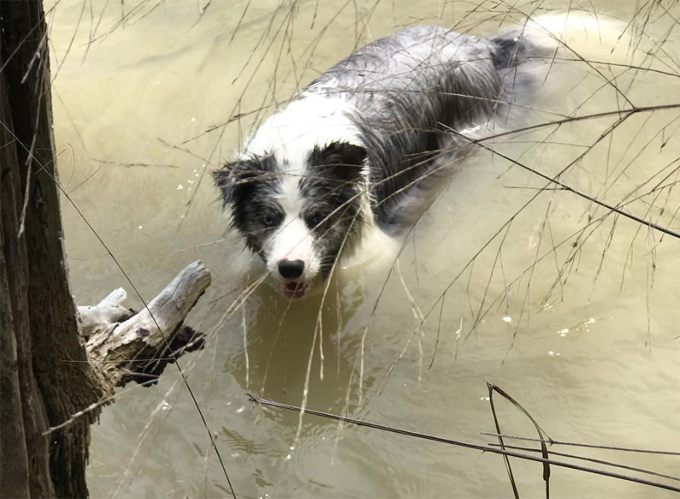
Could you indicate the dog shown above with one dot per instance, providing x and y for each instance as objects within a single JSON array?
[{"x": 363, "y": 145}]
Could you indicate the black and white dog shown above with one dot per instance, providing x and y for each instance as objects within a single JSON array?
[{"x": 362, "y": 144}]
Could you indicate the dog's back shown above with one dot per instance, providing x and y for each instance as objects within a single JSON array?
[{"x": 409, "y": 90}]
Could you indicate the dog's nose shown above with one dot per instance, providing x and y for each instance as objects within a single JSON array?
[{"x": 291, "y": 269}]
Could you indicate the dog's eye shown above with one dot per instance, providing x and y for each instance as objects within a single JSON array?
[
  {"x": 317, "y": 219},
  {"x": 269, "y": 220}
]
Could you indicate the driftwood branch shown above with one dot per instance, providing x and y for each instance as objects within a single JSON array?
[
  {"x": 107, "y": 314},
  {"x": 123, "y": 345}
]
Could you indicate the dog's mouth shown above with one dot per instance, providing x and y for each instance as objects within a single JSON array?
[{"x": 295, "y": 289}]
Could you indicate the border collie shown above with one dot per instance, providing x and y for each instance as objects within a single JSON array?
[{"x": 367, "y": 140}]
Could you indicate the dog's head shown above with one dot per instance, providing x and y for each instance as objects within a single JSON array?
[{"x": 297, "y": 217}]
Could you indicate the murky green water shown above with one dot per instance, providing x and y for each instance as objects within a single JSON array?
[{"x": 572, "y": 312}]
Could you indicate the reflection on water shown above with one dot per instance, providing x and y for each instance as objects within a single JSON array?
[{"x": 571, "y": 311}]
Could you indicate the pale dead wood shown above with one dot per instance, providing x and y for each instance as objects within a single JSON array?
[
  {"x": 123, "y": 345},
  {"x": 106, "y": 315}
]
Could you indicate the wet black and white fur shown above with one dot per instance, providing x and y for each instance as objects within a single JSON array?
[{"x": 358, "y": 147}]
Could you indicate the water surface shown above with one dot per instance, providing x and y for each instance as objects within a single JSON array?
[{"x": 570, "y": 309}]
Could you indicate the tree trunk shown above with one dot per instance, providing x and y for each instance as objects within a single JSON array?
[{"x": 45, "y": 375}]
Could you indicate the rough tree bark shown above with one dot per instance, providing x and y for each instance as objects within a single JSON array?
[{"x": 45, "y": 375}]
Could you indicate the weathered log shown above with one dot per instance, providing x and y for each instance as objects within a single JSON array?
[
  {"x": 123, "y": 345},
  {"x": 107, "y": 314}
]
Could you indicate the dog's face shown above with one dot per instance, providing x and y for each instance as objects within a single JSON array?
[{"x": 297, "y": 217}]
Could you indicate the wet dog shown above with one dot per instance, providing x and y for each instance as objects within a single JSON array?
[{"x": 364, "y": 143}]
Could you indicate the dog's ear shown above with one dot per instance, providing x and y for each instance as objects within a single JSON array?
[
  {"x": 224, "y": 180},
  {"x": 241, "y": 174},
  {"x": 345, "y": 160},
  {"x": 231, "y": 175}
]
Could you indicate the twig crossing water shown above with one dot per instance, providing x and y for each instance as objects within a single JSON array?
[{"x": 460, "y": 443}]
